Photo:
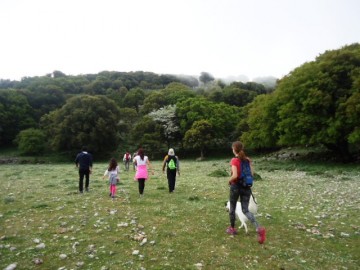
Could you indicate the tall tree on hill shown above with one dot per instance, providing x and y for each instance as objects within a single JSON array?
[
  {"x": 134, "y": 98},
  {"x": 200, "y": 136},
  {"x": 206, "y": 77},
  {"x": 222, "y": 117},
  {"x": 84, "y": 120}
]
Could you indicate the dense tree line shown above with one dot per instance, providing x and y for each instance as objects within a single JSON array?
[{"x": 317, "y": 103}]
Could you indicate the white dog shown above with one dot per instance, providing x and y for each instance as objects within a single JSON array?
[{"x": 252, "y": 208}]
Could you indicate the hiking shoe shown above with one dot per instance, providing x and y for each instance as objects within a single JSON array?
[
  {"x": 231, "y": 230},
  {"x": 261, "y": 235}
]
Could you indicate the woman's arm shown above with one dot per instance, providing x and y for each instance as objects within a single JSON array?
[
  {"x": 164, "y": 163},
  {"x": 234, "y": 175},
  {"x": 178, "y": 165},
  {"x": 251, "y": 167},
  {"x": 149, "y": 165}
]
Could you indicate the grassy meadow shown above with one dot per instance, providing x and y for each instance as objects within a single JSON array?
[{"x": 310, "y": 210}]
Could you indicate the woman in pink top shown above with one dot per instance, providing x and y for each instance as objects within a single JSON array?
[{"x": 142, "y": 166}]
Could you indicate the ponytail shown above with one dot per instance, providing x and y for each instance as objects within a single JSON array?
[
  {"x": 141, "y": 153},
  {"x": 242, "y": 155}
]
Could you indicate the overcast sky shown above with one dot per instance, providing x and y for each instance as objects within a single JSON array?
[{"x": 255, "y": 38}]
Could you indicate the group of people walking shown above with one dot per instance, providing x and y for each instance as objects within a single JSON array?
[
  {"x": 171, "y": 164},
  {"x": 141, "y": 164}
]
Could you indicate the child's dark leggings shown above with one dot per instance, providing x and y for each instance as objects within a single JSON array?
[
  {"x": 141, "y": 185},
  {"x": 237, "y": 191}
]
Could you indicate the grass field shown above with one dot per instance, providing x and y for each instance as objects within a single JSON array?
[{"x": 310, "y": 210}]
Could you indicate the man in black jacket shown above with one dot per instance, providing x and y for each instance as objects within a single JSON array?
[{"x": 84, "y": 162}]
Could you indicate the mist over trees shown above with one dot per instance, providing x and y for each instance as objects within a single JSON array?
[{"x": 315, "y": 104}]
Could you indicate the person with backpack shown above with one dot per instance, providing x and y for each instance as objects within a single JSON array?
[
  {"x": 126, "y": 159},
  {"x": 172, "y": 165},
  {"x": 84, "y": 162},
  {"x": 112, "y": 172},
  {"x": 240, "y": 187}
]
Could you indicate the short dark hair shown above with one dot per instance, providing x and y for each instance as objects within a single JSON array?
[{"x": 84, "y": 148}]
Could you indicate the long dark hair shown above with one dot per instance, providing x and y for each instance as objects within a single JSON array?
[
  {"x": 239, "y": 150},
  {"x": 112, "y": 165},
  {"x": 141, "y": 153}
]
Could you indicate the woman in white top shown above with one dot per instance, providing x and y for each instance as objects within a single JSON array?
[
  {"x": 142, "y": 166},
  {"x": 113, "y": 173}
]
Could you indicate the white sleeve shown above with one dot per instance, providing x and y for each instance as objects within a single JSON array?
[{"x": 106, "y": 172}]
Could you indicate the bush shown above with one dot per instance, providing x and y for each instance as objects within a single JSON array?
[
  {"x": 219, "y": 173},
  {"x": 31, "y": 141}
]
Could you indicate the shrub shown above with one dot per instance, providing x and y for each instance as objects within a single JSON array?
[{"x": 31, "y": 141}]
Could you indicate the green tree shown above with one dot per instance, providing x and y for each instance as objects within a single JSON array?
[
  {"x": 31, "y": 141},
  {"x": 176, "y": 92},
  {"x": 206, "y": 77},
  {"x": 146, "y": 133},
  {"x": 44, "y": 99},
  {"x": 238, "y": 97},
  {"x": 128, "y": 118},
  {"x": 351, "y": 110},
  {"x": 216, "y": 96},
  {"x": 221, "y": 116},
  {"x": 257, "y": 126},
  {"x": 200, "y": 136},
  {"x": 58, "y": 74},
  {"x": 134, "y": 98},
  {"x": 317, "y": 103},
  {"x": 154, "y": 101},
  {"x": 84, "y": 120},
  {"x": 15, "y": 115}
]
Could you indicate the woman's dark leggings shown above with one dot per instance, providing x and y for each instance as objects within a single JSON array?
[
  {"x": 141, "y": 185},
  {"x": 237, "y": 191}
]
